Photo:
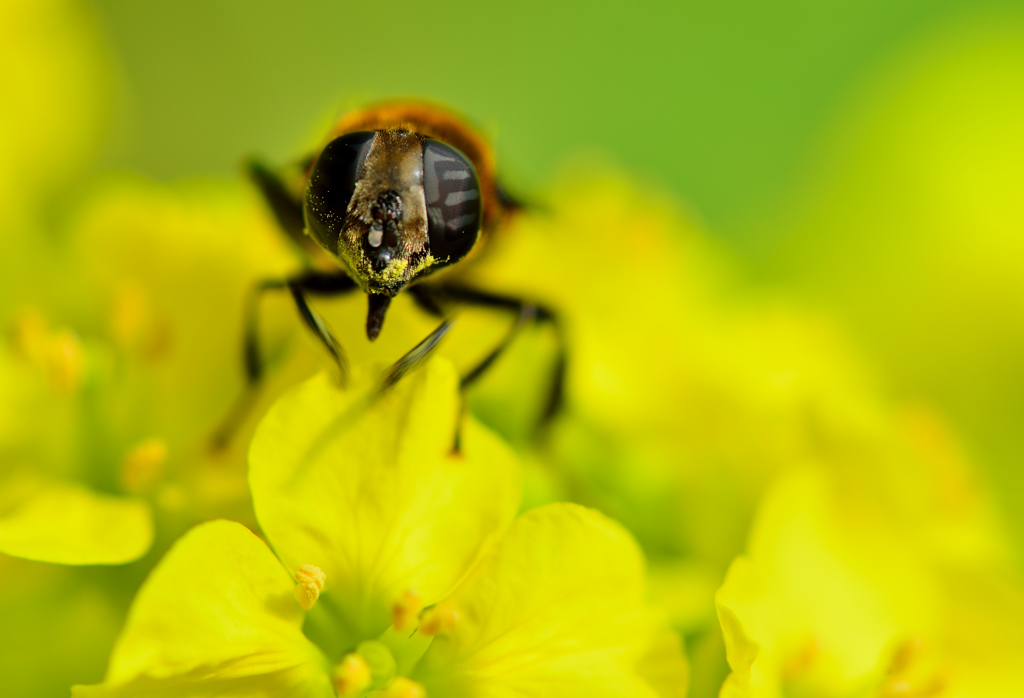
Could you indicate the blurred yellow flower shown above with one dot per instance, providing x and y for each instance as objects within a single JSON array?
[
  {"x": 374, "y": 517},
  {"x": 55, "y": 86},
  {"x": 686, "y": 396},
  {"x": 44, "y": 513},
  {"x": 846, "y": 592},
  {"x": 128, "y": 405},
  {"x": 911, "y": 227}
]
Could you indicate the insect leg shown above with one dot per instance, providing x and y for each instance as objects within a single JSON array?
[
  {"x": 286, "y": 209},
  {"x": 286, "y": 206},
  {"x": 311, "y": 282},
  {"x": 527, "y": 313},
  {"x": 314, "y": 283},
  {"x": 314, "y": 322},
  {"x": 417, "y": 355}
]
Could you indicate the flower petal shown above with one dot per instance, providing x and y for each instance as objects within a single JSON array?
[
  {"x": 215, "y": 618},
  {"x": 557, "y": 608},
  {"x": 374, "y": 496},
  {"x": 824, "y": 594},
  {"x": 71, "y": 525}
]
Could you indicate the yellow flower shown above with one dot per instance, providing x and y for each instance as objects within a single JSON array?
[
  {"x": 912, "y": 229},
  {"x": 686, "y": 396},
  {"x": 54, "y": 86},
  {"x": 154, "y": 279},
  {"x": 46, "y": 513},
  {"x": 109, "y": 392},
  {"x": 843, "y": 595},
  {"x": 373, "y": 516}
]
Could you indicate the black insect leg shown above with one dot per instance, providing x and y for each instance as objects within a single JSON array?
[
  {"x": 526, "y": 313},
  {"x": 414, "y": 357},
  {"x": 313, "y": 283},
  {"x": 310, "y": 282},
  {"x": 283, "y": 204}
]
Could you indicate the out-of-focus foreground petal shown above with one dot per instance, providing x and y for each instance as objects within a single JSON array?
[
  {"x": 373, "y": 495},
  {"x": 215, "y": 618},
  {"x": 557, "y": 608},
  {"x": 71, "y": 525}
]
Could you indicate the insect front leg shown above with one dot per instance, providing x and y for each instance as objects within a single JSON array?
[
  {"x": 309, "y": 282},
  {"x": 312, "y": 283}
]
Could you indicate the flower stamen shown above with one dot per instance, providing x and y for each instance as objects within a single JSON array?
[
  {"x": 352, "y": 676},
  {"x": 30, "y": 335},
  {"x": 143, "y": 465},
  {"x": 309, "y": 583},
  {"x": 402, "y": 687},
  {"x": 66, "y": 363},
  {"x": 405, "y": 610},
  {"x": 910, "y": 674},
  {"x": 438, "y": 619},
  {"x": 57, "y": 353},
  {"x": 129, "y": 313}
]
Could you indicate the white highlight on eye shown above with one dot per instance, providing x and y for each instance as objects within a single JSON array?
[
  {"x": 456, "y": 174},
  {"x": 461, "y": 221},
  {"x": 430, "y": 159},
  {"x": 375, "y": 238},
  {"x": 459, "y": 197}
]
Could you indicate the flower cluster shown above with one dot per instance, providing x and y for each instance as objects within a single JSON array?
[
  {"x": 729, "y": 504},
  {"x": 415, "y": 578}
]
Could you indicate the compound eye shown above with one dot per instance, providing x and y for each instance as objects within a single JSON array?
[
  {"x": 452, "y": 193},
  {"x": 331, "y": 185}
]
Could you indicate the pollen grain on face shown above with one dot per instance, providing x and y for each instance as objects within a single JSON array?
[{"x": 309, "y": 583}]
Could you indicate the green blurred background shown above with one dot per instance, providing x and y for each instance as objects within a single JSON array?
[
  {"x": 862, "y": 155},
  {"x": 721, "y": 101}
]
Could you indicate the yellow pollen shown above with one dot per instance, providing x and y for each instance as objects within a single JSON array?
[
  {"x": 439, "y": 619},
  {"x": 65, "y": 361},
  {"x": 143, "y": 465},
  {"x": 309, "y": 583},
  {"x": 402, "y": 687},
  {"x": 405, "y": 610},
  {"x": 352, "y": 676}
]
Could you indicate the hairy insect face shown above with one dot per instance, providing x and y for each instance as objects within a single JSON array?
[{"x": 392, "y": 206}]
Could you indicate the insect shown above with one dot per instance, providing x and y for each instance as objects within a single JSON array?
[{"x": 398, "y": 192}]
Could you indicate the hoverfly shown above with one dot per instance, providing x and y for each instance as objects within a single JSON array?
[{"x": 398, "y": 192}]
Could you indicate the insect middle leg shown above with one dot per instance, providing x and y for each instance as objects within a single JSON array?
[{"x": 433, "y": 299}]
